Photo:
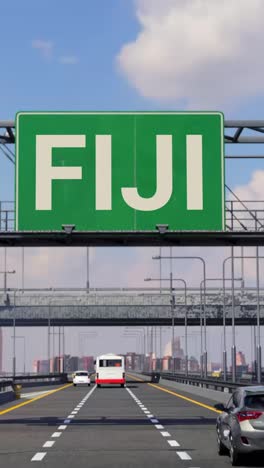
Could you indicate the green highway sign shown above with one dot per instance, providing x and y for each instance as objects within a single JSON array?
[{"x": 112, "y": 171}]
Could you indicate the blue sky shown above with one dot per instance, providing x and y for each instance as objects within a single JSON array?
[
  {"x": 59, "y": 55},
  {"x": 89, "y": 37}
]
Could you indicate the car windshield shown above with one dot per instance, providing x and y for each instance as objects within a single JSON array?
[
  {"x": 255, "y": 402},
  {"x": 81, "y": 374}
]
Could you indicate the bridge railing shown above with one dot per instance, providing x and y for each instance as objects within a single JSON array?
[
  {"x": 214, "y": 383},
  {"x": 240, "y": 215}
]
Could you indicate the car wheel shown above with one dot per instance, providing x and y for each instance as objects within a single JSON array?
[
  {"x": 98, "y": 385},
  {"x": 89, "y": 384},
  {"x": 222, "y": 450},
  {"x": 234, "y": 454},
  {"x": 122, "y": 385}
]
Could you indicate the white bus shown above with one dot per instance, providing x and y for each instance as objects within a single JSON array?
[{"x": 110, "y": 369}]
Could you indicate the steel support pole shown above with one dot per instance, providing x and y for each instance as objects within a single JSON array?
[
  {"x": 24, "y": 355},
  {"x": 258, "y": 320},
  {"x": 63, "y": 349},
  {"x": 242, "y": 270},
  {"x": 160, "y": 343},
  {"x": 224, "y": 328},
  {"x": 87, "y": 269},
  {"x": 5, "y": 273},
  {"x": 59, "y": 349},
  {"x": 49, "y": 338},
  {"x": 255, "y": 350},
  {"x": 201, "y": 338},
  {"x": 14, "y": 336},
  {"x": 233, "y": 351},
  {"x": 23, "y": 268},
  {"x": 204, "y": 314},
  {"x": 172, "y": 322},
  {"x": 186, "y": 330},
  {"x": 160, "y": 269}
]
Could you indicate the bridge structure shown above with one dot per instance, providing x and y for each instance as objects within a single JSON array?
[{"x": 126, "y": 308}]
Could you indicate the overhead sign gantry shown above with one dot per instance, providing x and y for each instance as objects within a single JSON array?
[{"x": 94, "y": 193}]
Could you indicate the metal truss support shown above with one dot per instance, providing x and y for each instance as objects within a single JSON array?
[
  {"x": 131, "y": 239},
  {"x": 236, "y": 131}
]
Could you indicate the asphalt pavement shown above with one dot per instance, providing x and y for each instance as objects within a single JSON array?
[{"x": 111, "y": 427}]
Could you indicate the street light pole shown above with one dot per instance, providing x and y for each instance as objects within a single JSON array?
[
  {"x": 232, "y": 257},
  {"x": 233, "y": 355},
  {"x": 172, "y": 296},
  {"x": 87, "y": 269},
  {"x": 14, "y": 335},
  {"x": 258, "y": 320},
  {"x": 203, "y": 355}
]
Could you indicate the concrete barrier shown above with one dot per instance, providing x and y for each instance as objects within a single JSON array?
[
  {"x": 7, "y": 395},
  {"x": 214, "y": 395}
]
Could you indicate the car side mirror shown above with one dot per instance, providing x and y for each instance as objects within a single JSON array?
[{"x": 221, "y": 407}]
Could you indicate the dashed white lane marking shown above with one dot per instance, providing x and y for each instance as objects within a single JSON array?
[
  {"x": 184, "y": 456},
  {"x": 39, "y": 456},
  {"x": 56, "y": 434},
  {"x": 173, "y": 443},
  {"x": 49, "y": 443}
]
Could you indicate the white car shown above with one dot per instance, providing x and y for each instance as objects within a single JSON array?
[{"x": 81, "y": 377}]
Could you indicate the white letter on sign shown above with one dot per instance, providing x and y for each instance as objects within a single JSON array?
[
  {"x": 103, "y": 172},
  {"x": 164, "y": 179},
  {"x": 45, "y": 172},
  {"x": 194, "y": 158}
]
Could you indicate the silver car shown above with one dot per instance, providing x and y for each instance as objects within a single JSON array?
[{"x": 240, "y": 426}]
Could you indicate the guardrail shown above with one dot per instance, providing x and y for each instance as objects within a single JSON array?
[
  {"x": 4, "y": 384},
  {"x": 34, "y": 379},
  {"x": 214, "y": 383}
]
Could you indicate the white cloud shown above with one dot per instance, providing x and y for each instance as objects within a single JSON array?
[
  {"x": 68, "y": 60},
  {"x": 45, "y": 47},
  {"x": 253, "y": 190},
  {"x": 203, "y": 53}
]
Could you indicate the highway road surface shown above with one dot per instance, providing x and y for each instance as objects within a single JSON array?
[{"x": 139, "y": 426}]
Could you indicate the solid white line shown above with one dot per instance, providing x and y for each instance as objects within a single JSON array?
[
  {"x": 38, "y": 456},
  {"x": 61, "y": 428},
  {"x": 184, "y": 456},
  {"x": 165, "y": 434},
  {"x": 56, "y": 434},
  {"x": 49, "y": 444},
  {"x": 159, "y": 426},
  {"x": 173, "y": 443}
]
